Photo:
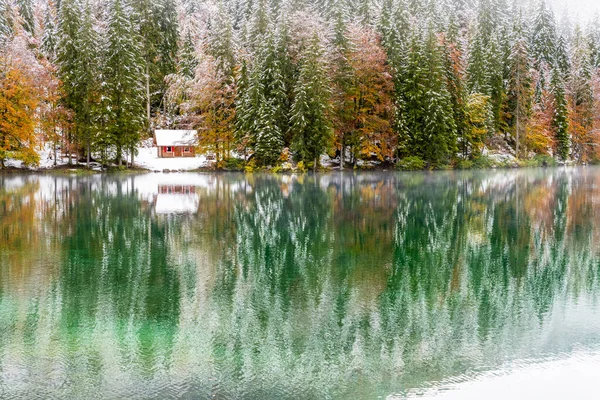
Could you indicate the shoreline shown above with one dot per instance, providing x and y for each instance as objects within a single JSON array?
[{"x": 83, "y": 170}]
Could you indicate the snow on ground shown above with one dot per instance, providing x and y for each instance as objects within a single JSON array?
[
  {"x": 575, "y": 377},
  {"x": 46, "y": 159},
  {"x": 148, "y": 158}
]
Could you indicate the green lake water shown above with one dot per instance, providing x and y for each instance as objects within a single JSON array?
[{"x": 330, "y": 286}]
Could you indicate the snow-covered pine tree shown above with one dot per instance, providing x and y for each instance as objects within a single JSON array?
[
  {"x": 187, "y": 61},
  {"x": 581, "y": 98},
  {"x": 156, "y": 23},
  {"x": 68, "y": 59},
  {"x": 124, "y": 72},
  {"x": 519, "y": 86},
  {"x": 26, "y": 11},
  {"x": 310, "y": 123},
  {"x": 86, "y": 80},
  {"x": 49, "y": 35},
  {"x": 5, "y": 21},
  {"x": 247, "y": 104},
  {"x": 268, "y": 103},
  {"x": 220, "y": 41},
  {"x": 593, "y": 39},
  {"x": 426, "y": 128},
  {"x": 560, "y": 120},
  {"x": 454, "y": 69},
  {"x": 544, "y": 39}
]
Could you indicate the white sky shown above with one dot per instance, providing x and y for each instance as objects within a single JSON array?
[{"x": 578, "y": 9}]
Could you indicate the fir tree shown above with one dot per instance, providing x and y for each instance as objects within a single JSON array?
[
  {"x": 519, "y": 93},
  {"x": 560, "y": 122},
  {"x": 124, "y": 71},
  {"x": 544, "y": 37},
  {"x": 49, "y": 37},
  {"x": 26, "y": 11},
  {"x": 187, "y": 57},
  {"x": 6, "y": 21},
  {"x": 68, "y": 59},
  {"x": 310, "y": 125},
  {"x": 427, "y": 128}
]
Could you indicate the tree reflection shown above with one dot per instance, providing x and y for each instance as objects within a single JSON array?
[{"x": 291, "y": 286}]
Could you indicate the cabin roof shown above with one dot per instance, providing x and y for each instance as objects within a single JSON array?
[{"x": 171, "y": 137}]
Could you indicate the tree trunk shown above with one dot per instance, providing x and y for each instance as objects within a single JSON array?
[
  {"x": 315, "y": 165},
  {"x": 148, "y": 95},
  {"x": 132, "y": 155},
  {"x": 88, "y": 150},
  {"x": 342, "y": 153},
  {"x": 54, "y": 148}
]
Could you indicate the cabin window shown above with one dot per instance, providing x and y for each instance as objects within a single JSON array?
[
  {"x": 186, "y": 149},
  {"x": 168, "y": 149}
]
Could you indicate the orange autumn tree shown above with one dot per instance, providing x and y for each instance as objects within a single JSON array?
[
  {"x": 363, "y": 105},
  {"x": 540, "y": 130},
  {"x": 19, "y": 99}
]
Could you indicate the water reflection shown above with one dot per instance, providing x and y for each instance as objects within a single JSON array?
[{"x": 263, "y": 286}]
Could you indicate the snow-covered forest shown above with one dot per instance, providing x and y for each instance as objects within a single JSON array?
[{"x": 417, "y": 83}]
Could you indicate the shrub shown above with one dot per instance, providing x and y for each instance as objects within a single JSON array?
[
  {"x": 250, "y": 167},
  {"x": 464, "y": 164},
  {"x": 232, "y": 164},
  {"x": 301, "y": 167},
  {"x": 412, "y": 163},
  {"x": 483, "y": 162}
]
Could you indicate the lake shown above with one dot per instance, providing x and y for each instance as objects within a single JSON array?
[{"x": 327, "y": 286}]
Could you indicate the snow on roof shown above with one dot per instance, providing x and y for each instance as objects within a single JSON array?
[
  {"x": 177, "y": 203},
  {"x": 170, "y": 137}
]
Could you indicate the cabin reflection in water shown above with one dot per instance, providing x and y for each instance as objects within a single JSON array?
[{"x": 176, "y": 199}]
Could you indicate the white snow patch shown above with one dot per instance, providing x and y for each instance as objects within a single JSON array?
[{"x": 148, "y": 158}]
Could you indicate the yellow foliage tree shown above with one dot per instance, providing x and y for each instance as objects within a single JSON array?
[{"x": 18, "y": 103}]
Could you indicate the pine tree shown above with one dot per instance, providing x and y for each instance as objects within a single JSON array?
[
  {"x": 124, "y": 72},
  {"x": 68, "y": 59},
  {"x": 156, "y": 23},
  {"x": 520, "y": 91},
  {"x": 310, "y": 123},
  {"x": 581, "y": 98},
  {"x": 26, "y": 11},
  {"x": 49, "y": 37},
  {"x": 426, "y": 128},
  {"x": 220, "y": 41},
  {"x": 187, "y": 57},
  {"x": 86, "y": 80},
  {"x": 544, "y": 38},
  {"x": 6, "y": 21},
  {"x": 560, "y": 121}
]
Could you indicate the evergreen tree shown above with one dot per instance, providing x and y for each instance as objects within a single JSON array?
[
  {"x": 156, "y": 23},
  {"x": 220, "y": 41},
  {"x": 69, "y": 60},
  {"x": 581, "y": 98},
  {"x": 544, "y": 38},
  {"x": 187, "y": 60},
  {"x": 593, "y": 39},
  {"x": 86, "y": 80},
  {"x": 426, "y": 125},
  {"x": 560, "y": 122},
  {"x": 310, "y": 124},
  {"x": 519, "y": 93},
  {"x": 49, "y": 37},
  {"x": 124, "y": 72},
  {"x": 5, "y": 21},
  {"x": 26, "y": 11}
]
